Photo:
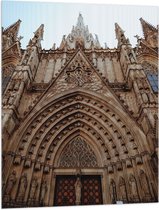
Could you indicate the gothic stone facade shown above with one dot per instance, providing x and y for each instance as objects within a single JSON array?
[{"x": 79, "y": 121}]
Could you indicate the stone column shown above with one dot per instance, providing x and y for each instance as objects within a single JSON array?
[
  {"x": 51, "y": 195},
  {"x": 153, "y": 180},
  {"x": 104, "y": 186}
]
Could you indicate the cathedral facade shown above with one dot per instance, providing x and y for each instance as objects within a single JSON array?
[{"x": 79, "y": 120}]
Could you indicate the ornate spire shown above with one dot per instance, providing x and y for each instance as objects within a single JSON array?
[
  {"x": 120, "y": 35},
  {"x": 39, "y": 32},
  {"x": 80, "y": 37},
  {"x": 150, "y": 33},
  {"x": 10, "y": 35},
  {"x": 147, "y": 27},
  {"x": 14, "y": 29},
  {"x": 38, "y": 36}
]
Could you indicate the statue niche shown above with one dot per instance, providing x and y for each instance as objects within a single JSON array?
[
  {"x": 122, "y": 190},
  {"x": 44, "y": 189},
  {"x": 34, "y": 186},
  {"x": 133, "y": 189},
  {"x": 78, "y": 187},
  {"x": 10, "y": 184},
  {"x": 145, "y": 186},
  {"x": 112, "y": 192},
  {"x": 22, "y": 187}
]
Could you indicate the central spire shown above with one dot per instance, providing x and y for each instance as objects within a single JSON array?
[{"x": 80, "y": 37}]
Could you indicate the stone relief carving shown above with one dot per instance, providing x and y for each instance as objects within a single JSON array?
[{"x": 78, "y": 75}]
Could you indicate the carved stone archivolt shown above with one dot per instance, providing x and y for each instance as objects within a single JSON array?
[
  {"x": 78, "y": 154},
  {"x": 76, "y": 113},
  {"x": 51, "y": 140}
]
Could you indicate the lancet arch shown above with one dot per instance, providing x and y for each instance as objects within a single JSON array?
[
  {"x": 50, "y": 128},
  {"x": 106, "y": 109}
]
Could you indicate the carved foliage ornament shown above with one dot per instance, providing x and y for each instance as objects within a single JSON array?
[{"x": 78, "y": 154}]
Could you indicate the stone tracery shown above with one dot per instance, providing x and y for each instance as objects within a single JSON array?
[{"x": 78, "y": 154}]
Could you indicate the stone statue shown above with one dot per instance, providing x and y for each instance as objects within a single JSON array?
[
  {"x": 43, "y": 190},
  {"x": 23, "y": 186},
  {"x": 10, "y": 183},
  {"x": 145, "y": 97},
  {"x": 34, "y": 186},
  {"x": 78, "y": 186},
  {"x": 122, "y": 190},
  {"x": 144, "y": 183},
  {"x": 133, "y": 188},
  {"x": 112, "y": 192}
]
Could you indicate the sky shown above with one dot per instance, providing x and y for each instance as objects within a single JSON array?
[{"x": 58, "y": 19}]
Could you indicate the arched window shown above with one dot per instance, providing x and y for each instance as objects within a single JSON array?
[
  {"x": 7, "y": 72},
  {"x": 152, "y": 75},
  {"x": 153, "y": 80}
]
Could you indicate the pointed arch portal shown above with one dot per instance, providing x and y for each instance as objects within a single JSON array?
[{"x": 76, "y": 134}]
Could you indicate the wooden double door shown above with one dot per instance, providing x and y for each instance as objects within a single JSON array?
[{"x": 65, "y": 190}]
